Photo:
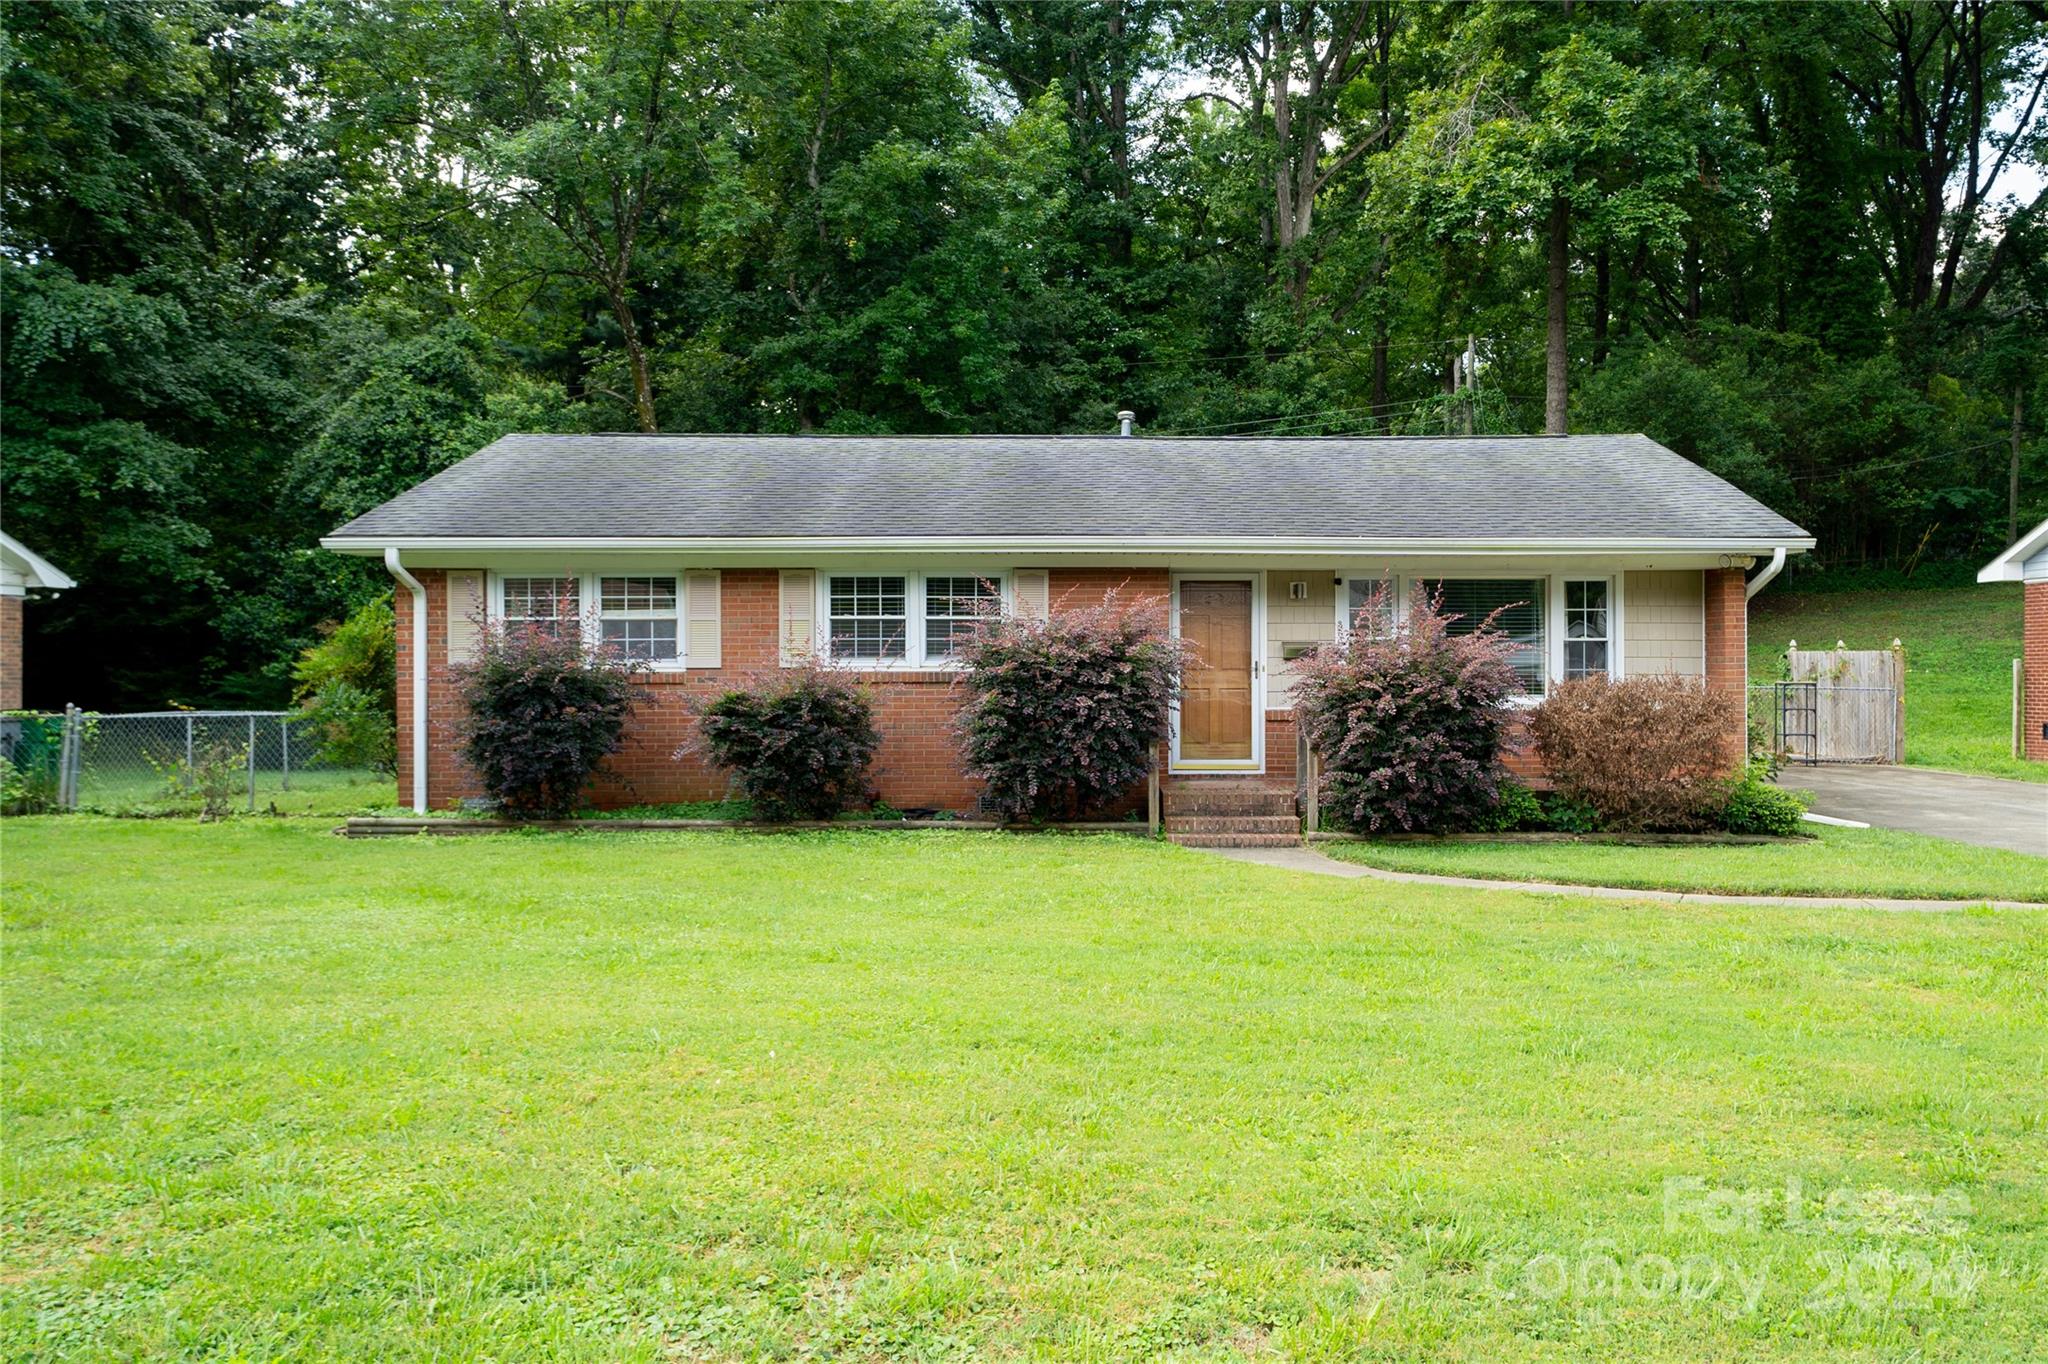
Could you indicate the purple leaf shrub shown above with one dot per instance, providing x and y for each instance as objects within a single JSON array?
[
  {"x": 1409, "y": 724},
  {"x": 542, "y": 710},
  {"x": 798, "y": 741},
  {"x": 1063, "y": 714}
]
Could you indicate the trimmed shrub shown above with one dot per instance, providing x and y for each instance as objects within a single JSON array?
[
  {"x": 542, "y": 713},
  {"x": 347, "y": 689},
  {"x": 1409, "y": 724},
  {"x": 1757, "y": 807},
  {"x": 1064, "y": 714},
  {"x": 798, "y": 742},
  {"x": 1516, "y": 809},
  {"x": 1647, "y": 753}
]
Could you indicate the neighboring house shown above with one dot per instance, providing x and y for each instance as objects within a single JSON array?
[
  {"x": 712, "y": 557},
  {"x": 2027, "y": 562},
  {"x": 21, "y": 571}
]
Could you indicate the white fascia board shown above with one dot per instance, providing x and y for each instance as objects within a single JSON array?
[
  {"x": 2011, "y": 566},
  {"x": 1267, "y": 546},
  {"x": 36, "y": 570}
]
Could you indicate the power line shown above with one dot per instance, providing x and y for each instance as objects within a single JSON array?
[
  {"x": 1851, "y": 472},
  {"x": 1391, "y": 410}
]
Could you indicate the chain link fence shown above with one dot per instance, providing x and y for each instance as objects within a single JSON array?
[{"x": 177, "y": 762}]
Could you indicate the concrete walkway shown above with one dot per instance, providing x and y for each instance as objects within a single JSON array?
[
  {"x": 1309, "y": 860},
  {"x": 1991, "y": 812}
]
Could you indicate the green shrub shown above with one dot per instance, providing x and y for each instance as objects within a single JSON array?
[
  {"x": 347, "y": 689},
  {"x": 29, "y": 754},
  {"x": 1517, "y": 810},
  {"x": 1563, "y": 815},
  {"x": 1757, "y": 807},
  {"x": 799, "y": 742}
]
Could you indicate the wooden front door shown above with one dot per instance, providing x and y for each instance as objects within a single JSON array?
[{"x": 1216, "y": 700}]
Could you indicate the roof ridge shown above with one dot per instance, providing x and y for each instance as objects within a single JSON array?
[{"x": 1058, "y": 435}]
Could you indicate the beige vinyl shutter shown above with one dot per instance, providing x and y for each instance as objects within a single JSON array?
[
  {"x": 465, "y": 610},
  {"x": 1033, "y": 591},
  {"x": 797, "y": 612},
  {"x": 700, "y": 618}
]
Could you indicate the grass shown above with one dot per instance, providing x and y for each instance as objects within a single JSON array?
[
  {"x": 1960, "y": 644},
  {"x": 1879, "y": 862},
  {"x": 312, "y": 791},
  {"x": 270, "y": 1094}
]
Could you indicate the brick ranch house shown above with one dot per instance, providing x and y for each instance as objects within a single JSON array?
[
  {"x": 2027, "y": 563},
  {"x": 716, "y": 557},
  {"x": 22, "y": 571}
]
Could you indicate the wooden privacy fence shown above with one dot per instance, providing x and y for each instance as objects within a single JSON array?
[{"x": 1842, "y": 706}]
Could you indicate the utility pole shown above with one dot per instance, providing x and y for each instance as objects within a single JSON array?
[{"x": 1471, "y": 383}]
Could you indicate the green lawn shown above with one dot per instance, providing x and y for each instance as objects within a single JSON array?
[
  {"x": 316, "y": 791},
  {"x": 272, "y": 1094},
  {"x": 1837, "y": 862},
  {"x": 1960, "y": 644}
]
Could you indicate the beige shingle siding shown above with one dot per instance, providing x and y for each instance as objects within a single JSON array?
[
  {"x": 1288, "y": 621},
  {"x": 1664, "y": 622}
]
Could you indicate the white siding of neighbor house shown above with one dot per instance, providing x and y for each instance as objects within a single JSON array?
[
  {"x": 1664, "y": 622},
  {"x": 1313, "y": 621}
]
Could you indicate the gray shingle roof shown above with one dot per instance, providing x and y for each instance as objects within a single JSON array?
[{"x": 1484, "y": 488}]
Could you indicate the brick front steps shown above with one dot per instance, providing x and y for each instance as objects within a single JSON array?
[{"x": 1230, "y": 812}]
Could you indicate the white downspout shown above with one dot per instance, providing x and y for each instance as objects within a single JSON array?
[
  {"x": 419, "y": 677},
  {"x": 1771, "y": 570}
]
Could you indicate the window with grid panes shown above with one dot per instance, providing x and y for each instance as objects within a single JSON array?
[
  {"x": 867, "y": 619},
  {"x": 1586, "y": 637},
  {"x": 639, "y": 616},
  {"x": 953, "y": 610},
  {"x": 550, "y": 605}
]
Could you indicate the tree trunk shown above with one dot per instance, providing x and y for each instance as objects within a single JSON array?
[
  {"x": 1603, "y": 279},
  {"x": 2012, "y": 470},
  {"x": 1554, "y": 372},
  {"x": 636, "y": 359},
  {"x": 1379, "y": 377},
  {"x": 1692, "y": 283},
  {"x": 1120, "y": 136}
]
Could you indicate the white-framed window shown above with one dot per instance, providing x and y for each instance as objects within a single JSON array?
[
  {"x": 1354, "y": 595},
  {"x": 1520, "y": 603},
  {"x": 1588, "y": 627},
  {"x": 954, "y": 605},
  {"x": 868, "y": 617},
  {"x": 906, "y": 618},
  {"x": 550, "y": 605},
  {"x": 640, "y": 615}
]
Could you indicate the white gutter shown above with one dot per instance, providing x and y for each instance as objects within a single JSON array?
[
  {"x": 1771, "y": 570},
  {"x": 1137, "y": 544},
  {"x": 419, "y": 677}
]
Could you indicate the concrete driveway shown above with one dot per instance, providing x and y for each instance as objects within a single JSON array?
[{"x": 1989, "y": 811}]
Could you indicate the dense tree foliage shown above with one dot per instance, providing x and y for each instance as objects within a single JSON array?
[{"x": 266, "y": 264}]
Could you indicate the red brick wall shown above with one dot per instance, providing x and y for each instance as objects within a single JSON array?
[
  {"x": 2034, "y": 703},
  {"x": 1727, "y": 638},
  {"x": 918, "y": 764},
  {"x": 10, "y": 653},
  {"x": 919, "y": 761}
]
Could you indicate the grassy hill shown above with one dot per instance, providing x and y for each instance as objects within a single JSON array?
[{"x": 1960, "y": 644}]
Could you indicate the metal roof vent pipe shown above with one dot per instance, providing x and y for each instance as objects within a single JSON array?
[{"x": 1124, "y": 420}]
